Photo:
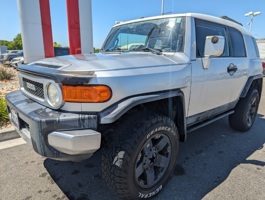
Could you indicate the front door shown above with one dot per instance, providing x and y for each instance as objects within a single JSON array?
[{"x": 212, "y": 88}]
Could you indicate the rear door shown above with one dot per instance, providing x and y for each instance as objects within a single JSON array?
[{"x": 239, "y": 58}]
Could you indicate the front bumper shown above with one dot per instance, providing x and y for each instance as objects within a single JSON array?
[{"x": 53, "y": 134}]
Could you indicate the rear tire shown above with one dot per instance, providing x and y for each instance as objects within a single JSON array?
[
  {"x": 245, "y": 112},
  {"x": 140, "y": 158}
]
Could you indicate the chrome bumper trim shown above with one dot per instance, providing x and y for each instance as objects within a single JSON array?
[{"x": 75, "y": 142}]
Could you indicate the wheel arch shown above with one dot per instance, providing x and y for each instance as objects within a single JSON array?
[
  {"x": 253, "y": 82},
  {"x": 169, "y": 103}
]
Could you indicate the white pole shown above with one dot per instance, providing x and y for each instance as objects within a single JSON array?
[
  {"x": 86, "y": 33},
  {"x": 31, "y": 30},
  {"x": 251, "y": 21},
  {"x": 252, "y": 15},
  {"x": 162, "y": 8}
]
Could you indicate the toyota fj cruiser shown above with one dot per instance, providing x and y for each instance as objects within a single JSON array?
[{"x": 155, "y": 80}]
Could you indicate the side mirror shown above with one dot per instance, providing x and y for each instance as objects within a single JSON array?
[{"x": 214, "y": 46}]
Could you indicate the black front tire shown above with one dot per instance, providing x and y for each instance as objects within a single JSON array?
[
  {"x": 245, "y": 112},
  {"x": 140, "y": 158}
]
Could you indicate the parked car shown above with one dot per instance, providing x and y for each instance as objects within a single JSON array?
[
  {"x": 13, "y": 51},
  {"x": 16, "y": 61},
  {"x": 61, "y": 51},
  {"x": 7, "y": 57},
  {"x": 155, "y": 80}
]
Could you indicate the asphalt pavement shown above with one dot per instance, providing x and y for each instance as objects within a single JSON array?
[{"x": 215, "y": 163}]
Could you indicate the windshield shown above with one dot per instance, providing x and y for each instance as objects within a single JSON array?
[{"x": 160, "y": 35}]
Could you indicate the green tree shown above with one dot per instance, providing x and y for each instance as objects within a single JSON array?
[
  {"x": 4, "y": 42},
  {"x": 17, "y": 42},
  {"x": 55, "y": 44},
  {"x": 96, "y": 50},
  {"x": 9, "y": 44}
]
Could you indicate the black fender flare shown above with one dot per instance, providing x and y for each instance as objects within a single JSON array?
[
  {"x": 115, "y": 111},
  {"x": 249, "y": 83}
]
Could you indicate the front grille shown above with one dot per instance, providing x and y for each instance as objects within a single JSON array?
[{"x": 33, "y": 87}]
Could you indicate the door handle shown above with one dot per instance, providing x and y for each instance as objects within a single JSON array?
[{"x": 231, "y": 69}]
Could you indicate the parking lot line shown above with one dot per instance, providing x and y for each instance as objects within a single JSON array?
[{"x": 11, "y": 143}]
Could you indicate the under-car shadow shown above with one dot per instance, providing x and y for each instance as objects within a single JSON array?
[
  {"x": 204, "y": 161},
  {"x": 209, "y": 155}
]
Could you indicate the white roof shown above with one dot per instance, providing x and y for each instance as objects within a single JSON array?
[{"x": 195, "y": 15}]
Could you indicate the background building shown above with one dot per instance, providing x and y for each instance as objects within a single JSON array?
[
  {"x": 261, "y": 45},
  {"x": 3, "y": 49}
]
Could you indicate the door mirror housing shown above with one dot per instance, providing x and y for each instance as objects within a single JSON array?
[{"x": 214, "y": 47}]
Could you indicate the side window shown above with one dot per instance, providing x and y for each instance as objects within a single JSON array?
[
  {"x": 237, "y": 43},
  {"x": 256, "y": 47},
  {"x": 203, "y": 29}
]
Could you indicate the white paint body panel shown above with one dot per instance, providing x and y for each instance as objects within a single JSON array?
[
  {"x": 128, "y": 74},
  {"x": 135, "y": 78},
  {"x": 138, "y": 73}
]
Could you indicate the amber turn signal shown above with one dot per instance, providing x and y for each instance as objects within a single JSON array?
[{"x": 86, "y": 93}]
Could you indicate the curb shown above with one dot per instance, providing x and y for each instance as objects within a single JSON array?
[{"x": 8, "y": 134}]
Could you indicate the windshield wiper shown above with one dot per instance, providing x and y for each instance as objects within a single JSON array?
[
  {"x": 113, "y": 50},
  {"x": 105, "y": 50},
  {"x": 155, "y": 51},
  {"x": 116, "y": 50}
]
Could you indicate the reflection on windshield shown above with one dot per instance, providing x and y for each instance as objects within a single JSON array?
[{"x": 156, "y": 36}]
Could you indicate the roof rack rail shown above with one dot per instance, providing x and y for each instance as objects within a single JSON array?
[{"x": 230, "y": 19}]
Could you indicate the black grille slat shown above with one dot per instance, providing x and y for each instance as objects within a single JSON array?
[{"x": 33, "y": 87}]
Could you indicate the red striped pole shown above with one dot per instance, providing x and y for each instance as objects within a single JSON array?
[
  {"x": 46, "y": 28},
  {"x": 36, "y": 28},
  {"x": 74, "y": 26}
]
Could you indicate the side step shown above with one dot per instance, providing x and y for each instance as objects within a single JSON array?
[{"x": 204, "y": 123}]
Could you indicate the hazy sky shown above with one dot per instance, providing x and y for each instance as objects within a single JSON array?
[{"x": 106, "y": 12}]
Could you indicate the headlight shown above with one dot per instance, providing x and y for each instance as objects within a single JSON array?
[{"x": 54, "y": 95}]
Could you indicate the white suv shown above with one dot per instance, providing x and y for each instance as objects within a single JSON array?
[{"x": 155, "y": 80}]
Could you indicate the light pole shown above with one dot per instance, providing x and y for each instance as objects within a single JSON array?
[
  {"x": 162, "y": 8},
  {"x": 252, "y": 15}
]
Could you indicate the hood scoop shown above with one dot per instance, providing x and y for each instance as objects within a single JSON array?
[{"x": 48, "y": 65}]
